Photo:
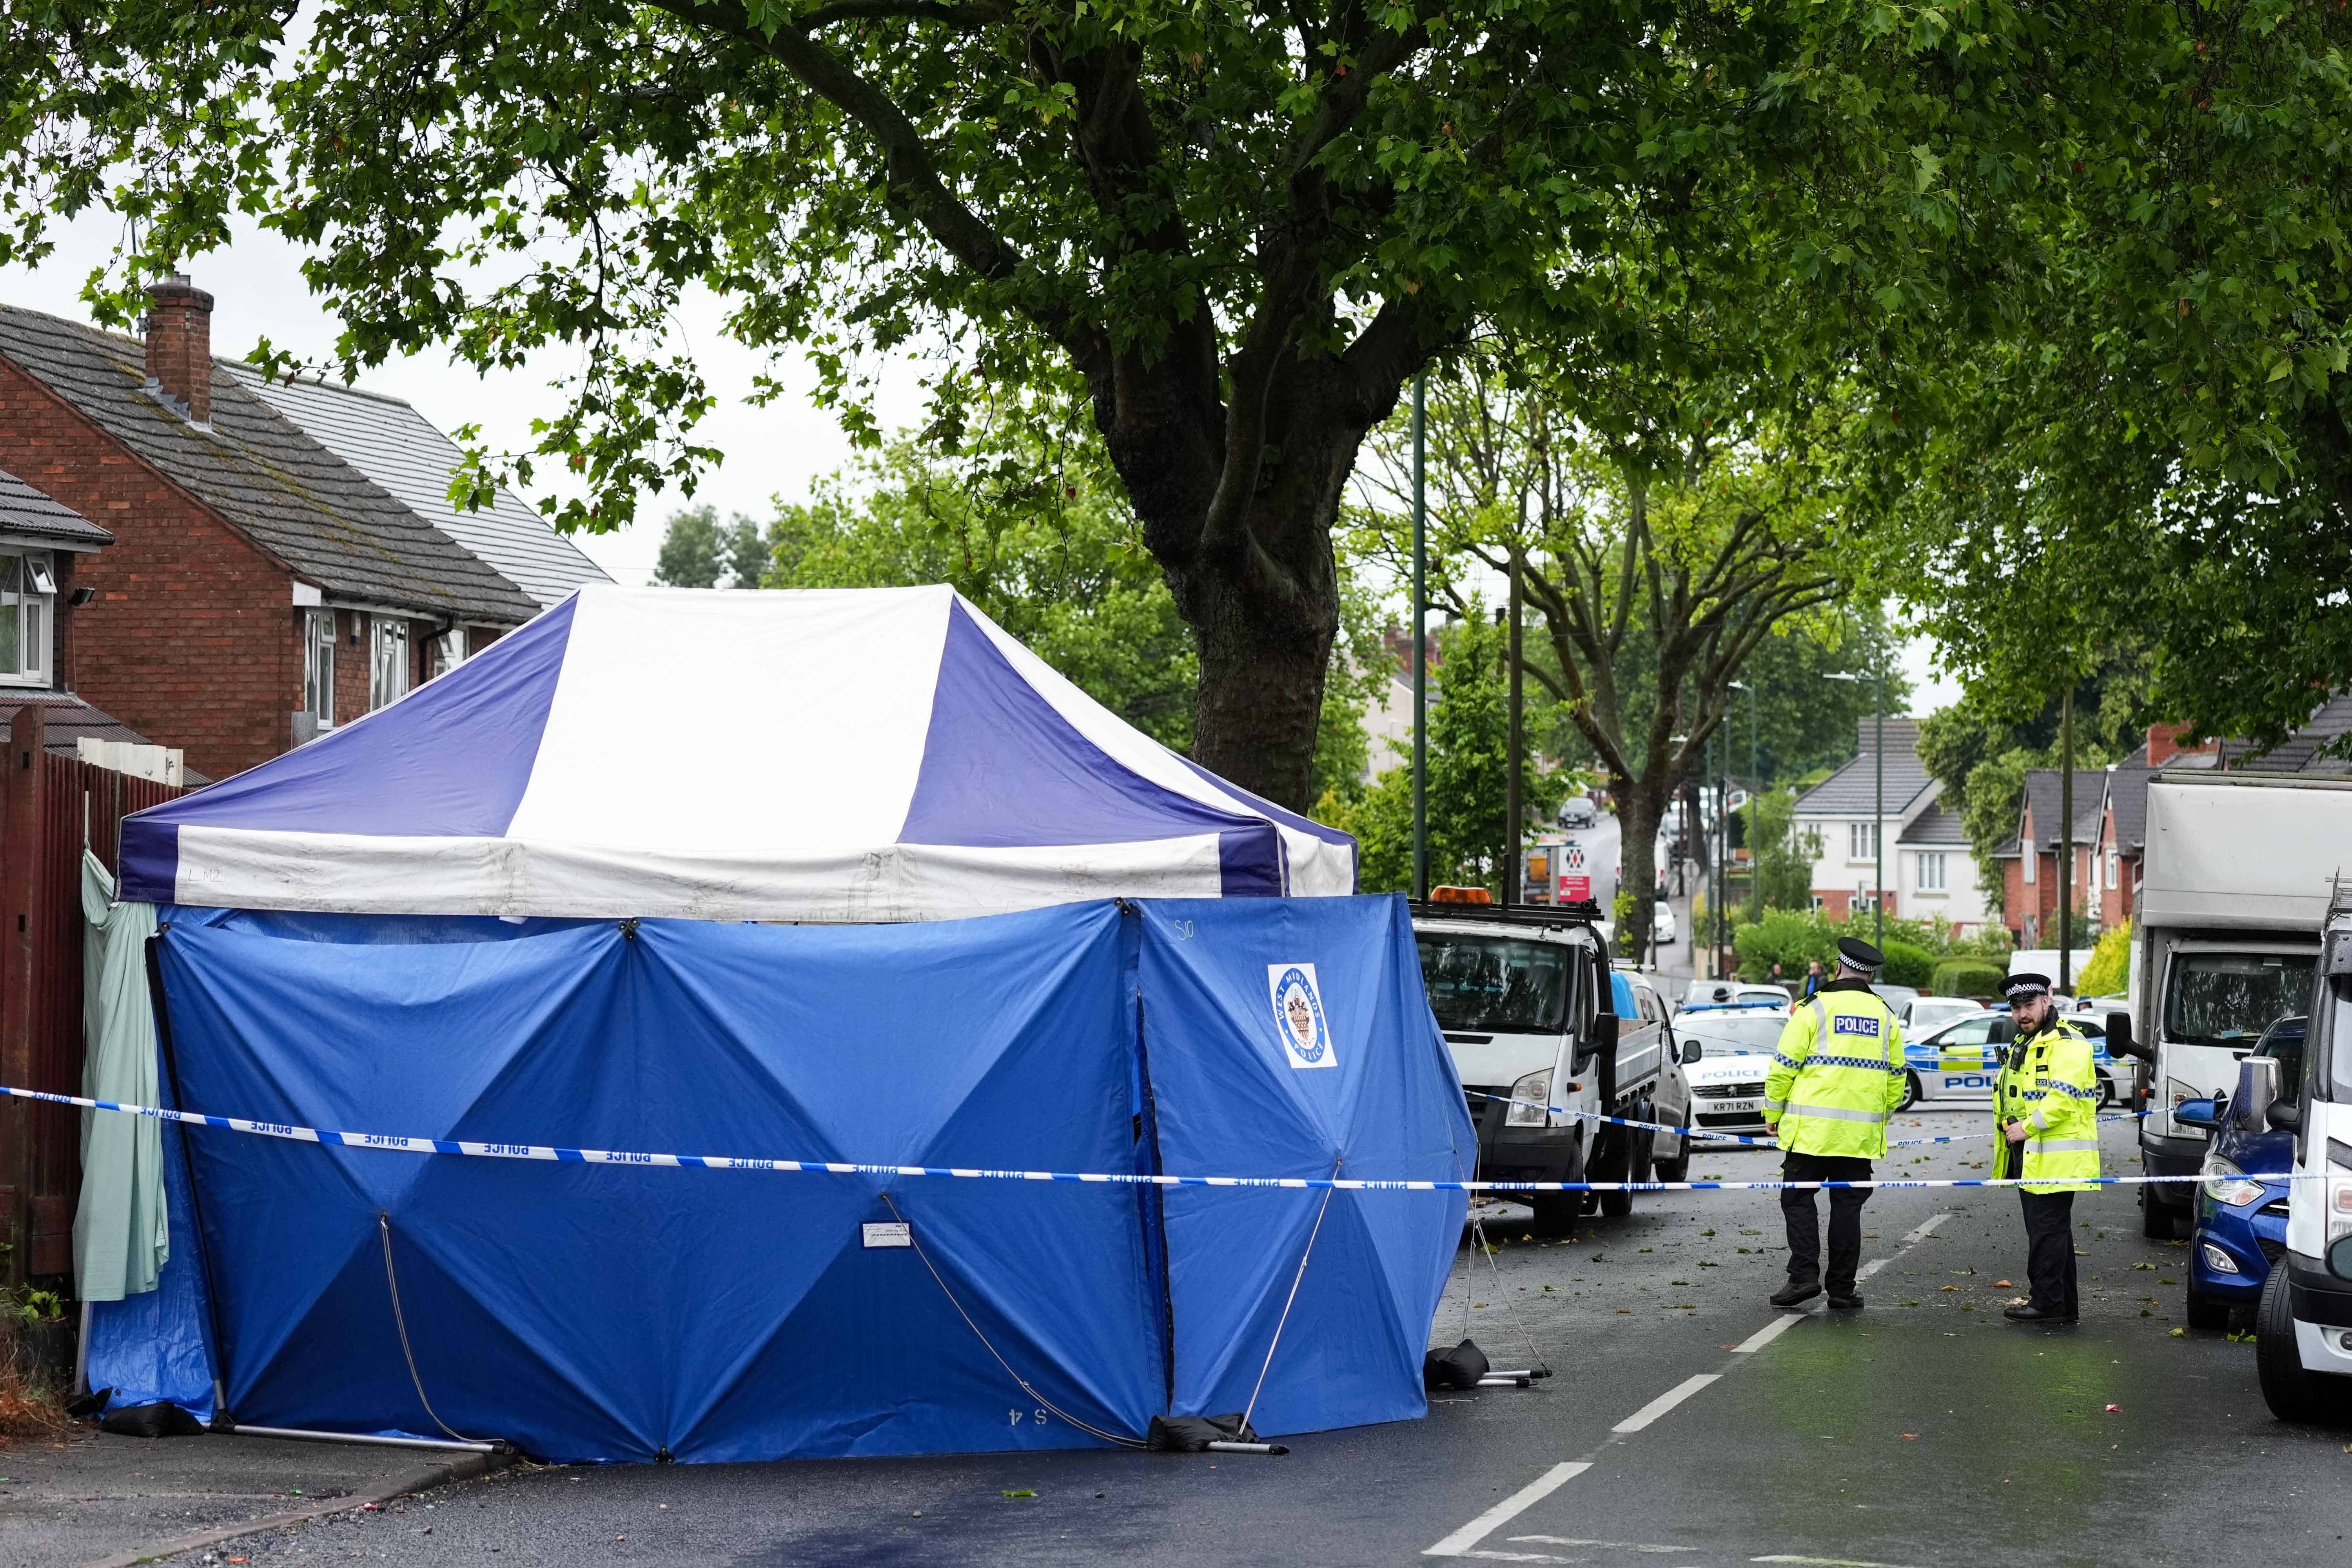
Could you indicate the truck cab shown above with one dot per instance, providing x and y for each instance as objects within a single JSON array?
[
  {"x": 1539, "y": 1027},
  {"x": 2303, "y": 1324}
]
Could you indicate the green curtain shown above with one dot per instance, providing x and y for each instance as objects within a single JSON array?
[{"x": 120, "y": 1235}]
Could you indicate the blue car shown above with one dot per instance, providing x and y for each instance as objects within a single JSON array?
[{"x": 2240, "y": 1223}]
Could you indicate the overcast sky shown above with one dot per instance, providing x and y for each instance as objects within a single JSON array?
[{"x": 776, "y": 451}]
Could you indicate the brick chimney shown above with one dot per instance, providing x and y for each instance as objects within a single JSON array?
[
  {"x": 2164, "y": 745},
  {"x": 180, "y": 346}
]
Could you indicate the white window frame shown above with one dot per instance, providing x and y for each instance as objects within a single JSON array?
[
  {"x": 2025, "y": 853},
  {"x": 449, "y": 651},
  {"x": 1860, "y": 841},
  {"x": 2111, "y": 870},
  {"x": 28, "y": 594},
  {"x": 1931, "y": 876},
  {"x": 319, "y": 668},
  {"x": 388, "y": 660}
]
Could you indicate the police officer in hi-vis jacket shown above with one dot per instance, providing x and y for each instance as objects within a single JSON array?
[
  {"x": 2045, "y": 1110},
  {"x": 1836, "y": 1078}
]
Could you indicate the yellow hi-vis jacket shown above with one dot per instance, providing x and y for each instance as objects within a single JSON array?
[
  {"x": 2050, "y": 1081},
  {"x": 1837, "y": 1075}
]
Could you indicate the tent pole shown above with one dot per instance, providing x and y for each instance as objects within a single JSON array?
[{"x": 361, "y": 1437}]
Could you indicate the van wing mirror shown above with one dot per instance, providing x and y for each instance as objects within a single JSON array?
[
  {"x": 1598, "y": 1035},
  {"x": 2258, "y": 1090},
  {"x": 2120, "y": 1040}
]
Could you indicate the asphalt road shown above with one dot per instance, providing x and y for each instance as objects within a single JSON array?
[{"x": 1923, "y": 1430}]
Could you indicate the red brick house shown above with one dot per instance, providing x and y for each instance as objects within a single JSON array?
[
  {"x": 268, "y": 575},
  {"x": 2110, "y": 839}
]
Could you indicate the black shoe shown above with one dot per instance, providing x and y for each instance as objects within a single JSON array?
[
  {"x": 1796, "y": 1292},
  {"x": 1849, "y": 1303},
  {"x": 2030, "y": 1313}
]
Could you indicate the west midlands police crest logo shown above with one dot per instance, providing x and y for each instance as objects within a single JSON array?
[{"x": 1299, "y": 1019}]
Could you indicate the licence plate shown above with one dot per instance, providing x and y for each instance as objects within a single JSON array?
[{"x": 1737, "y": 1105}]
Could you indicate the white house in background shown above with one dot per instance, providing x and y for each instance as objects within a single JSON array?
[
  {"x": 1388, "y": 728},
  {"x": 1929, "y": 870}
]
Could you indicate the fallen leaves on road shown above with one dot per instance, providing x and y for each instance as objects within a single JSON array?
[
  {"x": 2182, "y": 1334},
  {"x": 2003, "y": 1285},
  {"x": 2114, "y": 1410},
  {"x": 1947, "y": 1287},
  {"x": 1913, "y": 1435},
  {"x": 1024, "y": 1491}
]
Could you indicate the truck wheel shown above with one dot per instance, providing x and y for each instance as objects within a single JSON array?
[
  {"x": 1910, "y": 1091},
  {"x": 2155, "y": 1219},
  {"x": 1612, "y": 1160},
  {"x": 2292, "y": 1393},
  {"x": 2202, "y": 1311},
  {"x": 1678, "y": 1168}
]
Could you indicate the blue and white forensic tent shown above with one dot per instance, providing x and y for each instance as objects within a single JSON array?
[
  {"x": 482, "y": 917},
  {"x": 854, "y": 754}
]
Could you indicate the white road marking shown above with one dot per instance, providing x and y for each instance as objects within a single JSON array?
[
  {"x": 1665, "y": 1402},
  {"x": 1767, "y": 1334},
  {"x": 1617, "y": 1545},
  {"x": 1911, "y": 1238},
  {"x": 1459, "y": 1544}
]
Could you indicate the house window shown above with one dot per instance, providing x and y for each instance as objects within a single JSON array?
[
  {"x": 1861, "y": 840},
  {"x": 2111, "y": 869},
  {"x": 318, "y": 666},
  {"x": 2026, "y": 856},
  {"x": 1931, "y": 871},
  {"x": 447, "y": 651},
  {"x": 28, "y": 610},
  {"x": 388, "y": 672}
]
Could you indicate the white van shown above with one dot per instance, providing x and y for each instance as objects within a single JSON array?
[
  {"x": 1535, "y": 1016},
  {"x": 2303, "y": 1327}
]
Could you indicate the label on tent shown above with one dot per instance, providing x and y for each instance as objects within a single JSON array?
[
  {"x": 1298, "y": 1020},
  {"x": 891, "y": 1232}
]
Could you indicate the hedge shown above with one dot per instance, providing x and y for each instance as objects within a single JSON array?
[
  {"x": 1967, "y": 977},
  {"x": 1908, "y": 963}
]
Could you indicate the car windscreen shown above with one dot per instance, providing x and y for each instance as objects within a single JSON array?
[
  {"x": 2230, "y": 998},
  {"x": 1497, "y": 984},
  {"x": 1731, "y": 1033}
]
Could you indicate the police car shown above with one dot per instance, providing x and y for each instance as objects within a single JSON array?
[
  {"x": 1961, "y": 1059},
  {"x": 1736, "y": 1043}
]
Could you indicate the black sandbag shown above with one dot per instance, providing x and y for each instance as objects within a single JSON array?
[
  {"x": 1193, "y": 1433},
  {"x": 1460, "y": 1367},
  {"x": 90, "y": 1404},
  {"x": 159, "y": 1420}
]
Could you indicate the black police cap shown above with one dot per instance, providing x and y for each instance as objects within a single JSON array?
[
  {"x": 1856, "y": 953},
  {"x": 2017, "y": 987}
]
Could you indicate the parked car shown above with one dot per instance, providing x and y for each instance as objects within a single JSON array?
[
  {"x": 1577, "y": 811},
  {"x": 1961, "y": 1059},
  {"x": 1926, "y": 1015},
  {"x": 2240, "y": 1223},
  {"x": 1662, "y": 925},
  {"x": 1730, "y": 993},
  {"x": 1896, "y": 997},
  {"x": 1734, "y": 1051}
]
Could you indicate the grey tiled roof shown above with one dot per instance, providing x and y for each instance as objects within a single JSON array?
[
  {"x": 2298, "y": 752},
  {"x": 286, "y": 492},
  {"x": 1852, "y": 791},
  {"x": 2041, "y": 792},
  {"x": 390, "y": 442},
  {"x": 67, "y": 719},
  {"x": 2127, "y": 790},
  {"x": 25, "y": 510},
  {"x": 1939, "y": 825}
]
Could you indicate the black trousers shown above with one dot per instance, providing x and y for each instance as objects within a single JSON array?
[
  {"x": 1804, "y": 1221},
  {"x": 2050, "y": 1251}
]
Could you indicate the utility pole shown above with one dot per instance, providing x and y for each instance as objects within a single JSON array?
[
  {"x": 1878, "y": 821},
  {"x": 2066, "y": 840},
  {"x": 1513, "y": 753},
  {"x": 1420, "y": 647},
  {"x": 1754, "y": 791}
]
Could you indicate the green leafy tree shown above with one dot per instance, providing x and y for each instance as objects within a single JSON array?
[
  {"x": 1784, "y": 858},
  {"x": 698, "y": 550}
]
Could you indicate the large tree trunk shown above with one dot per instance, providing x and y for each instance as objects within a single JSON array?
[
  {"x": 1261, "y": 691},
  {"x": 1639, "y": 804}
]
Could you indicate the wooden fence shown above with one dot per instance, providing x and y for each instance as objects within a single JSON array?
[{"x": 50, "y": 808}]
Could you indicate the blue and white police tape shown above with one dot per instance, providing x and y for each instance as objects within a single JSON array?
[
  {"x": 398, "y": 1143},
  {"x": 1714, "y": 1137}
]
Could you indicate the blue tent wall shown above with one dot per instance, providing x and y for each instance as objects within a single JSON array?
[
  {"x": 596, "y": 1312},
  {"x": 1231, "y": 1100}
]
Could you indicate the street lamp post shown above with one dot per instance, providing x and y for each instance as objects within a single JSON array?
[
  {"x": 1755, "y": 788},
  {"x": 1420, "y": 648}
]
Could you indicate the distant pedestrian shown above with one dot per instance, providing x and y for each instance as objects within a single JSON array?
[
  {"x": 1813, "y": 978},
  {"x": 2046, "y": 1134},
  {"x": 1836, "y": 1078},
  {"x": 1776, "y": 974}
]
